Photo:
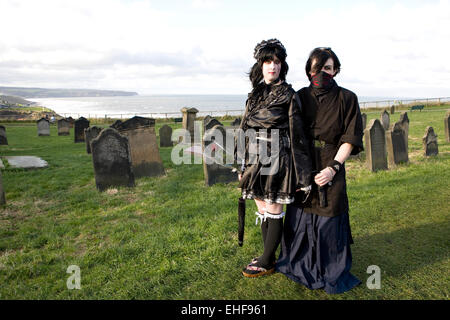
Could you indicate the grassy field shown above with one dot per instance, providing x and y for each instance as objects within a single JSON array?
[{"x": 174, "y": 238}]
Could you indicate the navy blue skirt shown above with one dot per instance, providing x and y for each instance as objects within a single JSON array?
[{"x": 315, "y": 251}]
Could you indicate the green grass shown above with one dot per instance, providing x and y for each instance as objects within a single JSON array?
[{"x": 174, "y": 238}]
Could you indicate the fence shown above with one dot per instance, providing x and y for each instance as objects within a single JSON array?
[{"x": 237, "y": 113}]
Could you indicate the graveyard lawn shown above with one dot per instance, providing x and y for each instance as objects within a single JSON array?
[{"x": 172, "y": 237}]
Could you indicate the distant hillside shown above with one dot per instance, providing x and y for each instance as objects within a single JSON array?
[
  {"x": 60, "y": 93},
  {"x": 11, "y": 101}
]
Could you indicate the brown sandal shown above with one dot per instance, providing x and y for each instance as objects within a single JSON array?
[{"x": 252, "y": 271}]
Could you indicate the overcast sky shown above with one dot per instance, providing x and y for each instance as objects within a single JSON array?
[{"x": 386, "y": 48}]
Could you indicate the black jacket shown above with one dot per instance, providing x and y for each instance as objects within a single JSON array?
[{"x": 281, "y": 109}]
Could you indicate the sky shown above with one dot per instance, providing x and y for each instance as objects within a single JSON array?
[{"x": 386, "y": 48}]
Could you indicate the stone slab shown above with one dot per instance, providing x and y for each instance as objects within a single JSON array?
[{"x": 26, "y": 162}]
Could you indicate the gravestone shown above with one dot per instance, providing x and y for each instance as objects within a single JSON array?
[
  {"x": 384, "y": 118},
  {"x": 26, "y": 162},
  {"x": 236, "y": 122},
  {"x": 145, "y": 158},
  {"x": 43, "y": 126},
  {"x": 63, "y": 127},
  {"x": 430, "y": 143},
  {"x": 90, "y": 134},
  {"x": 375, "y": 146},
  {"x": 395, "y": 144},
  {"x": 116, "y": 124},
  {"x": 79, "y": 126},
  {"x": 404, "y": 123},
  {"x": 71, "y": 121},
  {"x": 165, "y": 136},
  {"x": 2, "y": 191},
  {"x": 112, "y": 160},
  {"x": 447, "y": 126},
  {"x": 215, "y": 168},
  {"x": 189, "y": 115},
  {"x": 364, "y": 120},
  {"x": 210, "y": 122},
  {"x": 392, "y": 109},
  {"x": 3, "y": 138}
]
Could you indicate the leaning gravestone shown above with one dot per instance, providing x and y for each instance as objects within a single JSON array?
[
  {"x": 3, "y": 139},
  {"x": 447, "y": 126},
  {"x": 90, "y": 134},
  {"x": 375, "y": 146},
  {"x": 63, "y": 127},
  {"x": 79, "y": 126},
  {"x": 395, "y": 142},
  {"x": 214, "y": 157},
  {"x": 384, "y": 118},
  {"x": 189, "y": 115},
  {"x": 165, "y": 136},
  {"x": 2, "y": 191},
  {"x": 43, "y": 126},
  {"x": 112, "y": 160},
  {"x": 145, "y": 158},
  {"x": 430, "y": 143},
  {"x": 404, "y": 122}
]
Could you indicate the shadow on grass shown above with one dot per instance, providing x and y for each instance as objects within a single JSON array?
[{"x": 403, "y": 250}]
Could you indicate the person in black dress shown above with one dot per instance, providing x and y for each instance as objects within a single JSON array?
[
  {"x": 272, "y": 117},
  {"x": 315, "y": 248}
]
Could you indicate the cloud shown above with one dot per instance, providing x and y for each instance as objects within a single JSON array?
[{"x": 207, "y": 46}]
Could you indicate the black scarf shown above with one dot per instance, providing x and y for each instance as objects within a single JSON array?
[{"x": 322, "y": 83}]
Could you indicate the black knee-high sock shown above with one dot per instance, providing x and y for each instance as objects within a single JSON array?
[
  {"x": 272, "y": 241},
  {"x": 264, "y": 230}
]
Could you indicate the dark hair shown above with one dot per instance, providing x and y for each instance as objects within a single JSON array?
[
  {"x": 268, "y": 53},
  {"x": 321, "y": 55}
]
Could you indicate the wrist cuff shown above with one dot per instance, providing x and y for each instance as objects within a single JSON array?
[{"x": 335, "y": 165}]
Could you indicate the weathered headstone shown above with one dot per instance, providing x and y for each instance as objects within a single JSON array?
[
  {"x": 395, "y": 143},
  {"x": 165, "y": 136},
  {"x": 392, "y": 109},
  {"x": 145, "y": 158},
  {"x": 375, "y": 146},
  {"x": 236, "y": 122},
  {"x": 364, "y": 120},
  {"x": 43, "y": 126},
  {"x": 116, "y": 124},
  {"x": 210, "y": 122},
  {"x": 447, "y": 126},
  {"x": 384, "y": 118},
  {"x": 189, "y": 115},
  {"x": 214, "y": 157},
  {"x": 112, "y": 160},
  {"x": 63, "y": 127},
  {"x": 79, "y": 126},
  {"x": 404, "y": 122},
  {"x": 2, "y": 191},
  {"x": 90, "y": 134},
  {"x": 3, "y": 138},
  {"x": 71, "y": 121},
  {"x": 430, "y": 143}
]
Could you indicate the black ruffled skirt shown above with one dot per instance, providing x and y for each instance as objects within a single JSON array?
[
  {"x": 315, "y": 251},
  {"x": 272, "y": 182}
]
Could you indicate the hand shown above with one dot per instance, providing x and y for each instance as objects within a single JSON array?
[
  {"x": 324, "y": 176},
  {"x": 239, "y": 176}
]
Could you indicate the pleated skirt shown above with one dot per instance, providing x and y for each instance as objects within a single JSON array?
[{"x": 315, "y": 251}]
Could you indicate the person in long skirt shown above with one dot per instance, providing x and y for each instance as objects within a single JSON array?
[
  {"x": 315, "y": 248},
  {"x": 272, "y": 118}
]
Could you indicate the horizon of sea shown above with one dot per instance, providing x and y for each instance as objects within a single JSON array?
[{"x": 157, "y": 106}]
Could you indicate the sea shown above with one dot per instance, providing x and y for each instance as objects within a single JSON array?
[{"x": 162, "y": 106}]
